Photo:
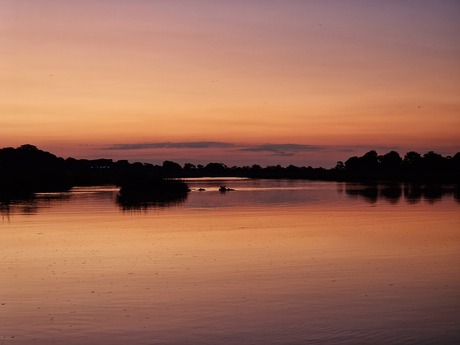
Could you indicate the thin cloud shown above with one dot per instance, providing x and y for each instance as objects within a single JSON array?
[
  {"x": 378, "y": 149},
  {"x": 282, "y": 149},
  {"x": 171, "y": 145}
]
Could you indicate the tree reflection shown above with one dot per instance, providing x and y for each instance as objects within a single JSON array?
[
  {"x": 368, "y": 192},
  {"x": 143, "y": 204},
  {"x": 394, "y": 193},
  {"x": 147, "y": 193},
  {"x": 30, "y": 204}
]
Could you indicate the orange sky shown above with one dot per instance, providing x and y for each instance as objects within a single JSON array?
[{"x": 230, "y": 81}]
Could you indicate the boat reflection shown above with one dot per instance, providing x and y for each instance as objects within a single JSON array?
[{"x": 395, "y": 192}]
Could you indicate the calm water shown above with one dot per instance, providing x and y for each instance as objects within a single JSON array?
[{"x": 273, "y": 262}]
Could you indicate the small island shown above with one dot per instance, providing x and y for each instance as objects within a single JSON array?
[{"x": 159, "y": 191}]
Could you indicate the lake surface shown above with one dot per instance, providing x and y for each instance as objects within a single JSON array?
[{"x": 272, "y": 262}]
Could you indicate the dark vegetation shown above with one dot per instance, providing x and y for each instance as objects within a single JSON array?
[
  {"x": 429, "y": 168},
  {"x": 141, "y": 192},
  {"x": 26, "y": 170}
]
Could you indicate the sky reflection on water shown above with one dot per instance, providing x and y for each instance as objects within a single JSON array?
[{"x": 272, "y": 262}]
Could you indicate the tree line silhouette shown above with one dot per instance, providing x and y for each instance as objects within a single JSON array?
[
  {"x": 431, "y": 167},
  {"x": 27, "y": 169}
]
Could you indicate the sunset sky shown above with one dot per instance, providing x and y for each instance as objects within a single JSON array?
[{"x": 239, "y": 82}]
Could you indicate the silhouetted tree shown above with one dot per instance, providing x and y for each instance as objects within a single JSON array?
[
  {"x": 412, "y": 160},
  {"x": 189, "y": 166},
  {"x": 27, "y": 169},
  {"x": 352, "y": 163},
  {"x": 390, "y": 165},
  {"x": 215, "y": 169},
  {"x": 171, "y": 169},
  {"x": 339, "y": 166},
  {"x": 365, "y": 167},
  {"x": 370, "y": 161}
]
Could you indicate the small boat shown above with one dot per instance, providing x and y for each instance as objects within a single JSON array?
[{"x": 224, "y": 189}]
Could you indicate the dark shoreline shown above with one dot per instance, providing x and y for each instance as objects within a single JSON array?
[{"x": 26, "y": 170}]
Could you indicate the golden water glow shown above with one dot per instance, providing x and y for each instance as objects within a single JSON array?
[{"x": 80, "y": 270}]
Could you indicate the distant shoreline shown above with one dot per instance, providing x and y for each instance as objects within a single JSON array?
[{"x": 27, "y": 169}]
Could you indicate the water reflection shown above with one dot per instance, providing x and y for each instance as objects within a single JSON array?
[
  {"x": 247, "y": 193},
  {"x": 320, "y": 269},
  {"x": 394, "y": 193},
  {"x": 29, "y": 204},
  {"x": 142, "y": 204}
]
